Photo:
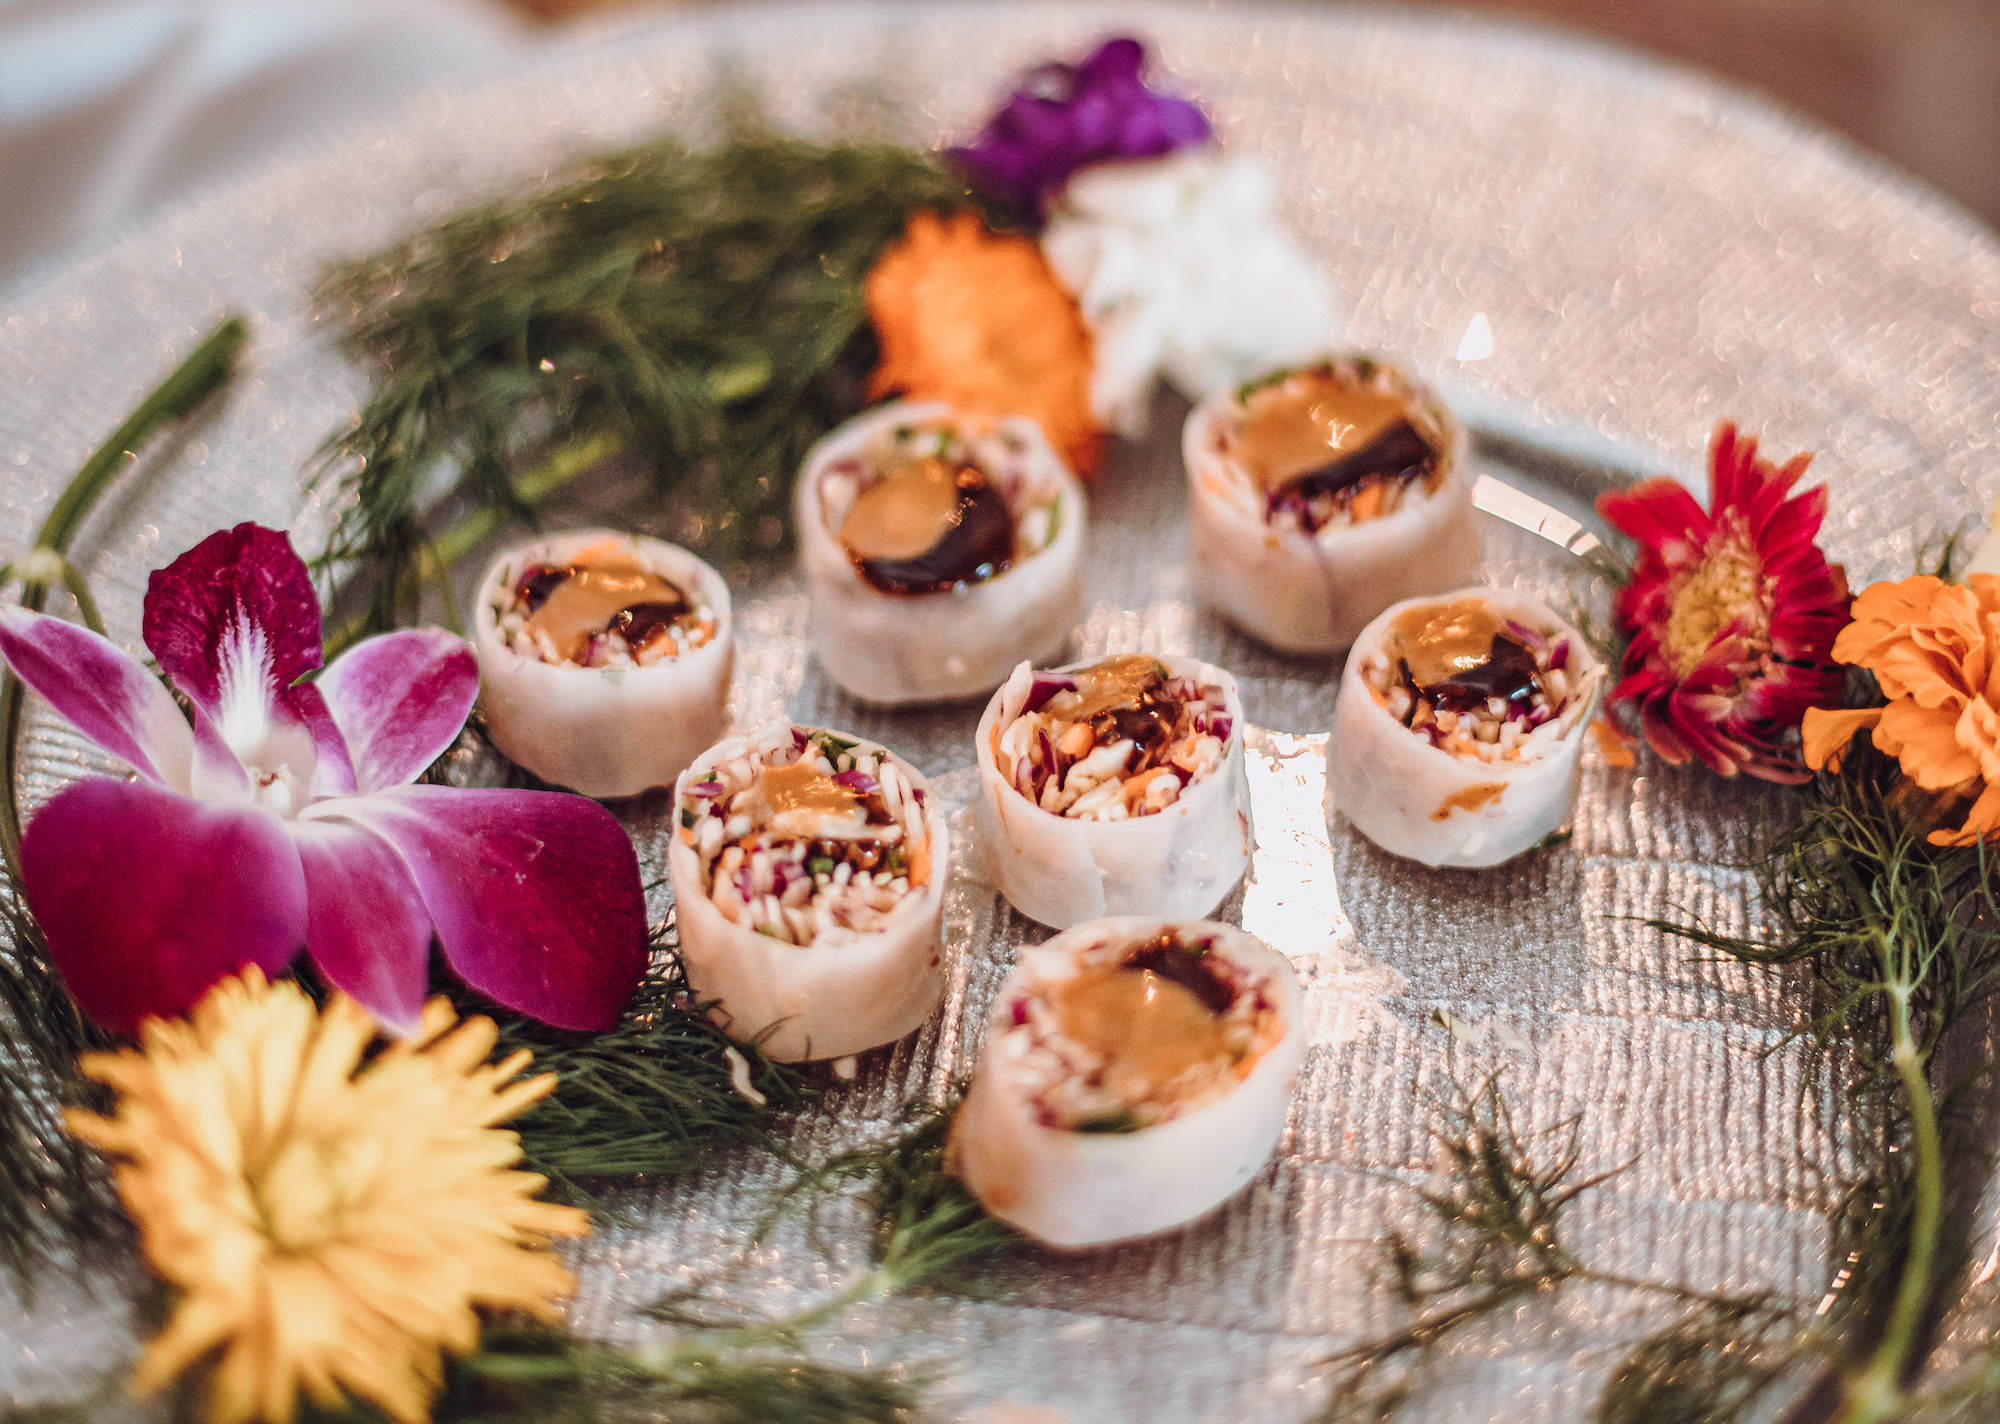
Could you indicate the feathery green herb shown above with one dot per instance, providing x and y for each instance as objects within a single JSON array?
[
  {"x": 929, "y": 1230},
  {"x": 1495, "y": 1207},
  {"x": 1903, "y": 941},
  {"x": 700, "y": 311},
  {"x": 524, "y": 1372},
  {"x": 654, "y": 1096}
]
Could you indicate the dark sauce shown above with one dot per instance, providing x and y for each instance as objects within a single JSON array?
[
  {"x": 643, "y": 622},
  {"x": 534, "y": 587},
  {"x": 963, "y": 530},
  {"x": 607, "y": 596},
  {"x": 978, "y": 545},
  {"x": 1166, "y": 956},
  {"x": 1127, "y": 698},
  {"x": 1399, "y": 454},
  {"x": 1509, "y": 673}
]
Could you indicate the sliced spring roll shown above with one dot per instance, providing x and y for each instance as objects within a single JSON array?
[
  {"x": 941, "y": 549},
  {"x": 809, "y": 871},
  {"x": 1114, "y": 788},
  {"x": 604, "y": 659},
  {"x": 1459, "y": 732},
  {"x": 1135, "y": 1075},
  {"x": 1319, "y": 496}
]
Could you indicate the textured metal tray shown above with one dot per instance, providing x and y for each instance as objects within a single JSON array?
[{"x": 1649, "y": 251}]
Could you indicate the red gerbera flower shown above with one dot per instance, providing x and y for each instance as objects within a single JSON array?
[{"x": 1732, "y": 613}]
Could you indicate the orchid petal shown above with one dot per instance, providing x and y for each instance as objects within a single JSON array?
[
  {"x": 535, "y": 894},
  {"x": 235, "y": 624},
  {"x": 104, "y": 692},
  {"x": 218, "y": 775},
  {"x": 148, "y": 897},
  {"x": 400, "y": 701},
  {"x": 366, "y": 927}
]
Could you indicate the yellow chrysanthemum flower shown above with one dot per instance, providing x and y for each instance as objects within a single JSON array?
[{"x": 328, "y": 1228}]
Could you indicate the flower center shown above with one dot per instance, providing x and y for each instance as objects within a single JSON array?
[
  {"x": 302, "y": 1196},
  {"x": 1726, "y": 587}
]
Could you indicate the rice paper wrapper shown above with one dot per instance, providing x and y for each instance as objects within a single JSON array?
[
  {"x": 1077, "y": 1189},
  {"x": 1421, "y": 802},
  {"x": 1314, "y": 593},
  {"x": 1179, "y": 862},
  {"x": 896, "y": 649},
  {"x": 605, "y": 732},
  {"x": 800, "y": 1002}
]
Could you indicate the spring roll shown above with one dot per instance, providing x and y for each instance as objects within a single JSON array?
[
  {"x": 604, "y": 659},
  {"x": 1459, "y": 732},
  {"x": 809, "y": 871},
  {"x": 941, "y": 548},
  {"x": 1319, "y": 496},
  {"x": 1115, "y": 788},
  {"x": 1135, "y": 1075}
]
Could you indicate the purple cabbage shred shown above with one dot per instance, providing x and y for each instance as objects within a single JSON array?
[
  {"x": 1045, "y": 686},
  {"x": 1527, "y": 636}
]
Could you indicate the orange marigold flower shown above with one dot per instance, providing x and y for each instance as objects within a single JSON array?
[
  {"x": 976, "y": 318},
  {"x": 1932, "y": 647}
]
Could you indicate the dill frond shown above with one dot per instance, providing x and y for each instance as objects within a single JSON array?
[
  {"x": 55, "y": 1198},
  {"x": 652, "y": 1097},
  {"x": 701, "y": 311},
  {"x": 1494, "y": 1207},
  {"x": 930, "y": 1232},
  {"x": 523, "y": 1370},
  {"x": 1710, "y": 1366},
  {"x": 1902, "y": 939}
]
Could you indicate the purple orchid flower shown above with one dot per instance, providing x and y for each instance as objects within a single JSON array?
[
  {"x": 1066, "y": 116},
  {"x": 285, "y": 815}
]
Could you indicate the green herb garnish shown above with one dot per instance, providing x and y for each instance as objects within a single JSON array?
[{"x": 699, "y": 311}]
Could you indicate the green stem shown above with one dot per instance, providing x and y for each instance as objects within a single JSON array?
[
  {"x": 190, "y": 384},
  {"x": 532, "y": 487},
  {"x": 1876, "y": 1393}
]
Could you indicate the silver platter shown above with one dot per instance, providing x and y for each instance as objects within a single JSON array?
[{"x": 1651, "y": 252}]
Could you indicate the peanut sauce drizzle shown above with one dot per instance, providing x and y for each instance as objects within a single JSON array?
[
  {"x": 1147, "y": 1029},
  {"x": 804, "y": 787},
  {"x": 1115, "y": 682},
  {"x": 1439, "y": 640},
  {"x": 584, "y": 603},
  {"x": 904, "y": 513},
  {"x": 1298, "y": 426}
]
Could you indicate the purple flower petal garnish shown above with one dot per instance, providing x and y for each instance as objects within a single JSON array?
[
  {"x": 1064, "y": 117},
  {"x": 148, "y": 897},
  {"x": 366, "y": 927},
  {"x": 103, "y": 690},
  {"x": 234, "y": 624},
  {"x": 238, "y": 586},
  {"x": 400, "y": 701},
  {"x": 534, "y": 894}
]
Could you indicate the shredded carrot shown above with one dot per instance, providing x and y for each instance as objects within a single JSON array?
[{"x": 978, "y": 319}]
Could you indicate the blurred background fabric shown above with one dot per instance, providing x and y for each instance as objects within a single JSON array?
[{"x": 108, "y": 107}]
